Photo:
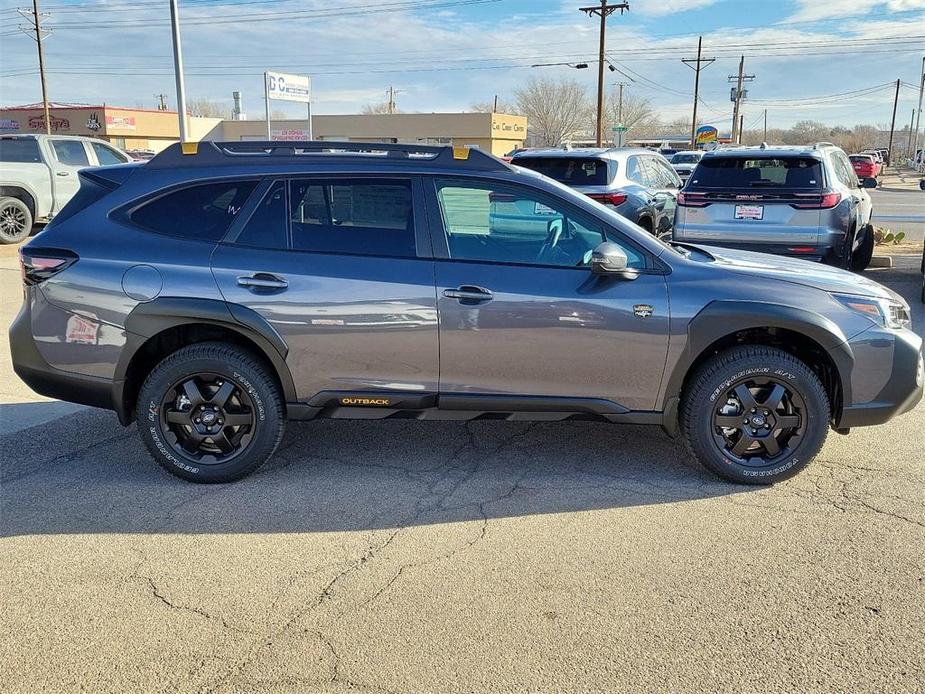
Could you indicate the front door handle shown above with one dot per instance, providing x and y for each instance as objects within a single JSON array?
[
  {"x": 263, "y": 280},
  {"x": 468, "y": 292},
  {"x": 62, "y": 173}
]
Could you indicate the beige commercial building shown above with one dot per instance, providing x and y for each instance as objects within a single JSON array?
[
  {"x": 127, "y": 128},
  {"x": 497, "y": 133}
]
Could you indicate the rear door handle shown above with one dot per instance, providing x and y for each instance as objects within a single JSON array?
[
  {"x": 468, "y": 292},
  {"x": 263, "y": 280}
]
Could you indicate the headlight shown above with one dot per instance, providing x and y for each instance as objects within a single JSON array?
[{"x": 888, "y": 313}]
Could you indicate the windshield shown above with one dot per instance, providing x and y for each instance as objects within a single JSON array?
[
  {"x": 685, "y": 158},
  {"x": 573, "y": 171},
  {"x": 802, "y": 173}
]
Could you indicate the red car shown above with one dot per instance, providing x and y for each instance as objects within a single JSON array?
[{"x": 865, "y": 166}]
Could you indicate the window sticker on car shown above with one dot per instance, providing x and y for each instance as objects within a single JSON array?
[
  {"x": 540, "y": 208},
  {"x": 749, "y": 212}
]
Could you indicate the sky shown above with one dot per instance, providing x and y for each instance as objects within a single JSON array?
[{"x": 834, "y": 61}]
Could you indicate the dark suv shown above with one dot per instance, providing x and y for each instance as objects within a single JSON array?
[{"x": 222, "y": 288}]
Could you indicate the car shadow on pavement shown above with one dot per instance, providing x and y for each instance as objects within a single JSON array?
[{"x": 86, "y": 474}]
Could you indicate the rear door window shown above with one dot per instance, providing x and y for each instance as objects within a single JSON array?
[
  {"x": 107, "y": 155},
  {"x": 353, "y": 216},
  {"x": 636, "y": 172},
  {"x": 21, "y": 150},
  {"x": 572, "y": 171},
  {"x": 791, "y": 173},
  {"x": 70, "y": 152},
  {"x": 202, "y": 212}
]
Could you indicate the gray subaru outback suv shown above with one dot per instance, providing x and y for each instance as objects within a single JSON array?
[
  {"x": 221, "y": 289},
  {"x": 804, "y": 202}
]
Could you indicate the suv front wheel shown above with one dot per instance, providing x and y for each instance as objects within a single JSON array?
[
  {"x": 210, "y": 412},
  {"x": 754, "y": 415}
]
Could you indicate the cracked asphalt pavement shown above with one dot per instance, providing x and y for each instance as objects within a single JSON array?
[{"x": 440, "y": 557}]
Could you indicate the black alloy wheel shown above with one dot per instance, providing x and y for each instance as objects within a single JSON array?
[
  {"x": 758, "y": 421},
  {"x": 207, "y": 418}
]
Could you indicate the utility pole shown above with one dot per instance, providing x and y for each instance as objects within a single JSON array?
[
  {"x": 178, "y": 69},
  {"x": 162, "y": 102},
  {"x": 696, "y": 68},
  {"x": 35, "y": 17},
  {"x": 391, "y": 105},
  {"x": 893, "y": 122},
  {"x": 603, "y": 11},
  {"x": 909, "y": 143},
  {"x": 765, "y": 138},
  {"x": 918, "y": 114},
  {"x": 495, "y": 108},
  {"x": 738, "y": 97},
  {"x": 620, "y": 86}
]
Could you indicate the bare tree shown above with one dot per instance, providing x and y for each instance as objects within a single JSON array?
[
  {"x": 489, "y": 107},
  {"x": 379, "y": 108},
  {"x": 556, "y": 110},
  {"x": 806, "y": 132},
  {"x": 638, "y": 115},
  {"x": 207, "y": 108}
]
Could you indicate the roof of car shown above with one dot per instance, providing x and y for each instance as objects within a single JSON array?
[
  {"x": 767, "y": 151},
  {"x": 583, "y": 152}
]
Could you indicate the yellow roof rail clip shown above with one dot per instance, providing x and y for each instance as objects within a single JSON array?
[
  {"x": 460, "y": 152},
  {"x": 189, "y": 147}
]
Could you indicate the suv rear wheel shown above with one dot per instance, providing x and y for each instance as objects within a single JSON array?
[
  {"x": 210, "y": 412},
  {"x": 754, "y": 415},
  {"x": 860, "y": 259}
]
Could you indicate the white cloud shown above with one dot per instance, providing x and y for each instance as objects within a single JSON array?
[
  {"x": 813, "y": 10},
  {"x": 660, "y": 8}
]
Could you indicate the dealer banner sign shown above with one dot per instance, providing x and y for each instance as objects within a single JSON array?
[{"x": 289, "y": 87}]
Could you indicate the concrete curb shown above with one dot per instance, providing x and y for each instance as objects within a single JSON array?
[{"x": 881, "y": 261}]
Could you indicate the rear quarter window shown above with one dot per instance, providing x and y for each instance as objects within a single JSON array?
[
  {"x": 20, "y": 151},
  {"x": 202, "y": 212},
  {"x": 802, "y": 173},
  {"x": 572, "y": 171}
]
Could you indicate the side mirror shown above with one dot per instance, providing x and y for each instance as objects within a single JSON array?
[
  {"x": 868, "y": 183},
  {"x": 609, "y": 259}
]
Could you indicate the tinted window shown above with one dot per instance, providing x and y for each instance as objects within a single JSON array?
[
  {"x": 70, "y": 152},
  {"x": 510, "y": 225},
  {"x": 843, "y": 169},
  {"x": 635, "y": 172},
  {"x": 758, "y": 172},
  {"x": 20, "y": 150},
  {"x": 201, "y": 212},
  {"x": 267, "y": 227},
  {"x": 682, "y": 158},
  {"x": 365, "y": 217},
  {"x": 572, "y": 171},
  {"x": 107, "y": 155}
]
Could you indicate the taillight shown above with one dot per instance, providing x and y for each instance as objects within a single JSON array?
[
  {"x": 803, "y": 249},
  {"x": 609, "y": 198},
  {"x": 815, "y": 201},
  {"x": 692, "y": 199},
  {"x": 39, "y": 264}
]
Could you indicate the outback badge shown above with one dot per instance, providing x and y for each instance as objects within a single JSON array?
[{"x": 643, "y": 310}]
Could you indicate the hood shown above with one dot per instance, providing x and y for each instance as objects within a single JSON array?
[{"x": 796, "y": 271}]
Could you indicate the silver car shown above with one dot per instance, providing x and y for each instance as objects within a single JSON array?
[
  {"x": 804, "y": 202},
  {"x": 684, "y": 163}
]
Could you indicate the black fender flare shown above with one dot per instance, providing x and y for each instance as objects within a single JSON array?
[
  {"x": 153, "y": 317},
  {"x": 722, "y": 318}
]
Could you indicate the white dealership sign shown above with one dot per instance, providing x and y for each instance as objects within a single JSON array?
[{"x": 289, "y": 87}]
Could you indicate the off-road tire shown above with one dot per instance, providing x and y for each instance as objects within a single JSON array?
[
  {"x": 15, "y": 220},
  {"x": 860, "y": 259},
  {"x": 723, "y": 371},
  {"x": 240, "y": 367}
]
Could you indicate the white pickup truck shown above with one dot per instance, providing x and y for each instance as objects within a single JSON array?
[{"x": 38, "y": 176}]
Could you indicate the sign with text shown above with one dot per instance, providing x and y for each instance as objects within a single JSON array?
[{"x": 289, "y": 87}]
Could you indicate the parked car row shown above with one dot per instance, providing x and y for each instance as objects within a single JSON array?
[
  {"x": 38, "y": 176},
  {"x": 217, "y": 291}
]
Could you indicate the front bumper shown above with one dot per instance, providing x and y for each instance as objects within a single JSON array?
[{"x": 886, "y": 380}]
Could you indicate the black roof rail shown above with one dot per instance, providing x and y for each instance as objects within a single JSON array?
[{"x": 209, "y": 153}]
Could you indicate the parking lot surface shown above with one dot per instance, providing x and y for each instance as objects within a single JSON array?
[{"x": 442, "y": 557}]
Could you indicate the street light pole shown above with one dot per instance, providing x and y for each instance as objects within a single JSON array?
[
  {"x": 603, "y": 11},
  {"x": 178, "y": 67}
]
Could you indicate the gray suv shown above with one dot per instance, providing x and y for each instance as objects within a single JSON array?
[
  {"x": 223, "y": 288},
  {"x": 804, "y": 202}
]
